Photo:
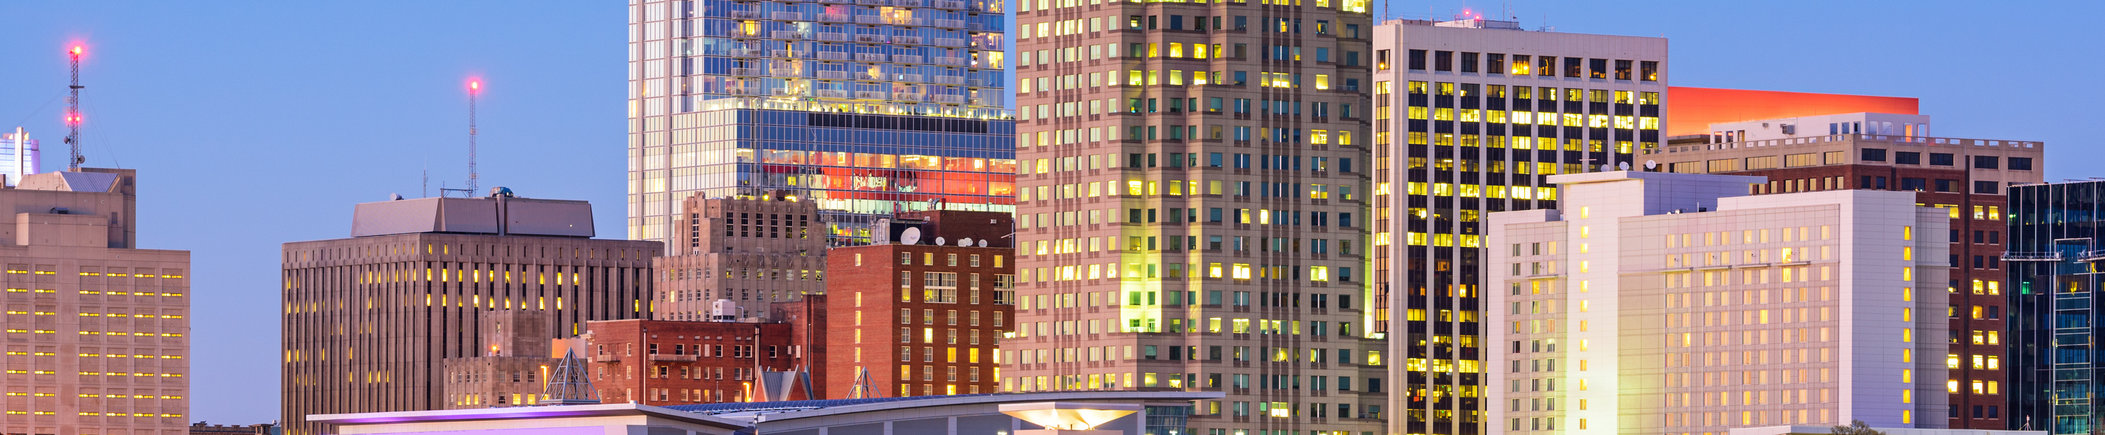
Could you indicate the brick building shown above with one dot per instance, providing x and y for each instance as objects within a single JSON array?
[
  {"x": 752, "y": 251},
  {"x": 368, "y": 320},
  {"x": 922, "y": 315},
  {"x": 1966, "y": 177},
  {"x": 691, "y": 362}
]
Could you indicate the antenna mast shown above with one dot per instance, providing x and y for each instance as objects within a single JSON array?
[
  {"x": 474, "y": 89},
  {"x": 73, "y": 113}
]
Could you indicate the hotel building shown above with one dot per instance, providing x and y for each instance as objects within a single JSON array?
[
  {"x": 1656, "y": 303},
  {"x": 97, "y": 330},
  {"x": 1471, "y": 117},
  {"x": 751, "y": 250},
  {"x": 867, "y": 107},
  {"x": 2054, "y": 251},
  {"x": 1875, "y": 151},
  {"x": 370, "y": 319},
  {"x": 1192, "y": 211}
]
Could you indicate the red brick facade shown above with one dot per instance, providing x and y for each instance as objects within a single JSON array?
[
  {"x": 690, "y": 362},
  {"x": 921, "y": 319}
]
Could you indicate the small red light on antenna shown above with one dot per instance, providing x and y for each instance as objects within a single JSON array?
[{"x": 76, "y": 50}]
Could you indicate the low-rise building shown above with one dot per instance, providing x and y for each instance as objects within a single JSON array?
[{"x": 920, "y": 313}]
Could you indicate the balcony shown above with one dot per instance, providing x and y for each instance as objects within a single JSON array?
[
  {"x": 907, "y": 58},
  {"x": 745, "y": 71},
  {"x": 914, "y": 40},
  {"x": 606, "y": 358},
  {"x": 740, "y": 91},
  {"x": 917, "y": 78},
  {"x": 950, "y": 61},
  {"x": 869, "y": 38},
  {"x": 950, "y": 80},
  {"x": 745, "y": 52},
  {"x": 907, "y": 96},
  {"x": 869, "y": 57},
  {"x": 950, "y": 5},
  {"x": 835, "y": 18},
  {"x": 909, "y": 3},
  {"x": 833, "y": 93},
  {"x": 833, "y": 75},
  {"x": 950, "y": 42},
  {"x": 833, "y": 36},
  {"x": 870, "y": 95},
  {"x": 869, "y": 19},
  {"x": 745, "y": 14},
  {"x": 2031, "y": 256},
  {"x": 833, "y": 55},
  {"x": 785, "y": 16},
  {"x": 950, "y": 99},
  {"x": 950, "y": 24}
]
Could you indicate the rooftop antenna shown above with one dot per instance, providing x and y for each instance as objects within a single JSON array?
[
  {"x": 73, "y": 112},
  {"x": 474, "y": 89}
]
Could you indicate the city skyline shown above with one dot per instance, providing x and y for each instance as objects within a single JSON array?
[{"x": 327, "y": 115}]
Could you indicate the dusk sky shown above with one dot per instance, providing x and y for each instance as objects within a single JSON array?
[{"x": 260, "y": 123}]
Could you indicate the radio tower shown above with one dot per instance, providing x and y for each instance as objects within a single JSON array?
[
  {"x": 73, "y": 114},
  {"x": 474, "y": 88}
]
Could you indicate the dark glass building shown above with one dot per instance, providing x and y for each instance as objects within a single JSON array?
[{"x": 2054, "y": 250}]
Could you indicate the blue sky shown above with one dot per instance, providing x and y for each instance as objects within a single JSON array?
[{"x": 258, "y": 123}]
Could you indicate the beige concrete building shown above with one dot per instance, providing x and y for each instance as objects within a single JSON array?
[
  {"x": 751, "y": 251},
  {"x": 369, "y": 319},
  {"x": 96, "y": 329},
  {"x": 512, "y": 367},
  {"x": 1661, "y": 303},
  {"x": 1192, "y": 209}
]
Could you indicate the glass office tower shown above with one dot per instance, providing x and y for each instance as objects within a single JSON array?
[
  {"x": 866, "y": 106},
  {"x": 2054, "y": 252}
]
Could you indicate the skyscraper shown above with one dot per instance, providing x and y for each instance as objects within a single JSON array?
[
  {"x": 1192, "y": 212},
  {"x": 97, "y": 330},
  {"x": 2054, "y": 308},
  {"x": 1659, "y": 303},
  {"x": 866, "y": 107},
  {"x": 1471, "y": 117},
  {"x": 18, "y": 156},
  {"x": 1880, "y": 151},
  {"x": 370, "y": 319}
]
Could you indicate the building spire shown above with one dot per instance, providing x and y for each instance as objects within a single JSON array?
[{"x": 570, "y": 385}]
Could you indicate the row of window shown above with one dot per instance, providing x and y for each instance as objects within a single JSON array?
[
  {"x": 1524, "y": 65},
  {"x": 1944, "y": 159}
]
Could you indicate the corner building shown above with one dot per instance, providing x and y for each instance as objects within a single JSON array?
[
  {"x": 1659, "y": 303},
  {"x": 1192, "y": 209},
  {"x": 867, "y": 107},
  {"x": 1472, "y": 117},
  {"x": 97, "y": 330},
  {"x": 370, "y": 320}
]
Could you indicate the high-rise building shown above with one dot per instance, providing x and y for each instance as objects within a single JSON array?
[
  {"x": 18, "y": 156},
  {"x": 1471, "y": 117},
  {"x": 922, "y": 316},
  {"x": 97, "y": 329},
  {"x": 866, "y": 107},
  {"x": 369, "y": 319},
  {"x": 751, "y": 251},
  {"x": 2054, "y": 307},
  {"x": 1657, "y": 303},
  {"x": 1193, "y": 212},
  {"x": 1877, "y": 151}
]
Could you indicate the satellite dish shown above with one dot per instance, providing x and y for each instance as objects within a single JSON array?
[
  {"x": 1623, "y": 166},
  {"x": 1607, "y": 167},
  {"x": 910, "y": 236},
  {"x": 939, "y": 241},
  {"x": 982, "y": 243},
  {"x": 1650, "y": 165},
  {"x": 964, "y": 242}
]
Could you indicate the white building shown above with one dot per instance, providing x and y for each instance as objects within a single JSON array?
[
  {"x": 18, "y": 156},
  {"x": 1654, "y": 303},
  {"x": 1886, "y": 124}
]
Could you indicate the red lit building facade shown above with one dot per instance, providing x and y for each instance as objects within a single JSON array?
[
  {"x": 921, "y": 315},
  {"x": 1695, "y": 109},
  {"x": 689, "y": 362}
]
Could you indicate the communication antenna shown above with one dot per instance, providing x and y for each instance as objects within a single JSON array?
[
  {"x": 73, "y": 113},
  {"x": 474, "y": 89}
]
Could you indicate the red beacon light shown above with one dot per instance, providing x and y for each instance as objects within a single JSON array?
[
  {"x": 76, "y": 50},
  {"x": 475, "y": 85}
]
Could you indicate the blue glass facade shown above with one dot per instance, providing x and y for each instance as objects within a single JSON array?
[{"x": 2055, "y": 248}]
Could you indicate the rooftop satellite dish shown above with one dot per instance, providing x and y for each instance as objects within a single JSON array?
[
  {"x": 1651, "y": 164},
  {"x": 910, "y": 236},
  {"x": 394, "y": 197},
  {"x": 964, "y": 242},
  {"x": 982, "y": 243},
  {"x": 1623, "y": 166},
  {"x": 1607, "y": 167},
  {"x": 939, "y": 241}
]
